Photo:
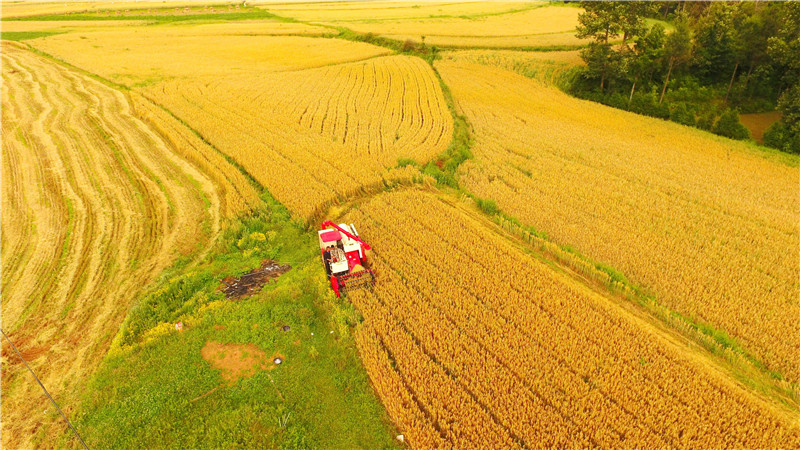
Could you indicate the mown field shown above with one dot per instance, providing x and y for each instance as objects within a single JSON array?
[{"x": 550, "y": 271}]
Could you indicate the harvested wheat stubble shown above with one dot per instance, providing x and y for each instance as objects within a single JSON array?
[
  {"x": 95, "y": 205},
  {"x": 237, "y": 194},
  {"x": 470, "y": 342},
  {"x": 707, "y": 224}
]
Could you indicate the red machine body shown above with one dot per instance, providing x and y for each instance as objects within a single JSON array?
[{"x": 346, "y": 260}]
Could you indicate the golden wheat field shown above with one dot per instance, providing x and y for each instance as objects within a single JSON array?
[
  {"x": 547, "y": 67},
  {"x": 13, "y": 9},
  {"x": 549, "y": 272},
  {"x": 350, "y": 11},
  {"x": 571, "y": 369},
  {"x": 529, "y": 21},
  {"x": 95, "y": 203},
  {"x": 478, "y": 24},
  {"x": 336, "y": 131},
  {"x": 687, "y": 227},
  {"x": 128, "y": 57}
]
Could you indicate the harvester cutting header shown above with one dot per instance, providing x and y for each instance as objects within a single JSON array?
[{"x": 344, "y": 255}]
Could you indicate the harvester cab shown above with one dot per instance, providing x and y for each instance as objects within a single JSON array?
[{"x": 344, "y": 255}]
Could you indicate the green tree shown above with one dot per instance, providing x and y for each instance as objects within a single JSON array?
[
  {"x": 715, "y": 37},
  {"x": 784, "y": 50},
  {"x": 677, "y": 49},
  {"x": 754, "y": 34},
  {"x": 784, "y": 47},
  {"x": 601, "y": 22},
  {"x": 631, "y": 18},
  {"x": 642, "y": 59},
  {"x": 789, "y": 105},
  {"x": 729, "y": 125}
]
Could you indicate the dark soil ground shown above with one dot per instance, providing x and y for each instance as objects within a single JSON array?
[{"x": 250, "y": 283}]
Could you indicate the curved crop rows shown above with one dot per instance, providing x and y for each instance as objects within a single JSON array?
[
  {"x": 704, "y": 223},
  {"x": 94, "y": 206},
  {"x": 469, "y": 342},
  {"x": 317, "y": 136}
]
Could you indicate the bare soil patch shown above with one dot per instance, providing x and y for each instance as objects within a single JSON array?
[
  {"x": 27, "y": 351},
  {"x": 251, "y": 283},
  {"x": 758, "y": 123},
  {"x": 237, "y": 361}
]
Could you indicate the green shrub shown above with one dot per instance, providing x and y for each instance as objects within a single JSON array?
[
  {"x": 403, "y": 162},
  {"x": 707, "y": 119},
  {"x": 408, "y": 46},
  {"x": 729, "y": 125},
  {"x": 779, "y": 136},
  {"x": 683, "y": 114},
  {"x": 648, "y": 105},
  {"x": 488, "y": 206},
  {"x": 775, "y": 136}
]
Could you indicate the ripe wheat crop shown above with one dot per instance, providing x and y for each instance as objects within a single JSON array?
[
  {"x": 543, "y": 20},
  {"x": 536, "y": 41},
  {"x": 65, "y": 25},
  {"x": 39, "y": 8},
  {"x": 469, "y": 342},
  {"x": 95, "y": 204},
  {"x": 524, "y": 26},
  {"x": 708, "y": 225},
  {"x": 546, "y": 67},
  {"x": 391, "y": 10},
  {"x": 131, "y": 57},
  {"x": 325, "y": 134}
]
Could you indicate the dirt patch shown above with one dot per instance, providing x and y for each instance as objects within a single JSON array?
[
  {"x": 237, "y": 361},
  {"x": 252, "y": 282},
  {"x": 759, "y": 122},
  {"x": 28, "y": 352}
]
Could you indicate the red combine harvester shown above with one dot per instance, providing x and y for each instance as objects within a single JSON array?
[{"x": 344, "y": 257}]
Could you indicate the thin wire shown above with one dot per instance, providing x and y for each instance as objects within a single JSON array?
[{"x": 45, "y": 390}]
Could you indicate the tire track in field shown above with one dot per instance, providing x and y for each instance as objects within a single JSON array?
[{"x": 95, "y": 206}]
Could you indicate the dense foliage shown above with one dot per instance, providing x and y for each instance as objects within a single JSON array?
[{"x": 710, "y": 61}]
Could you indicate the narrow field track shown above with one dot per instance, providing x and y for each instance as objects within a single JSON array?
[
  {"x": 470, "y": 342},
  {"x": 95, "y": 205}
]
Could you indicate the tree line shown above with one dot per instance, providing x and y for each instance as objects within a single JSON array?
[{"x": 696, "y": 63}]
